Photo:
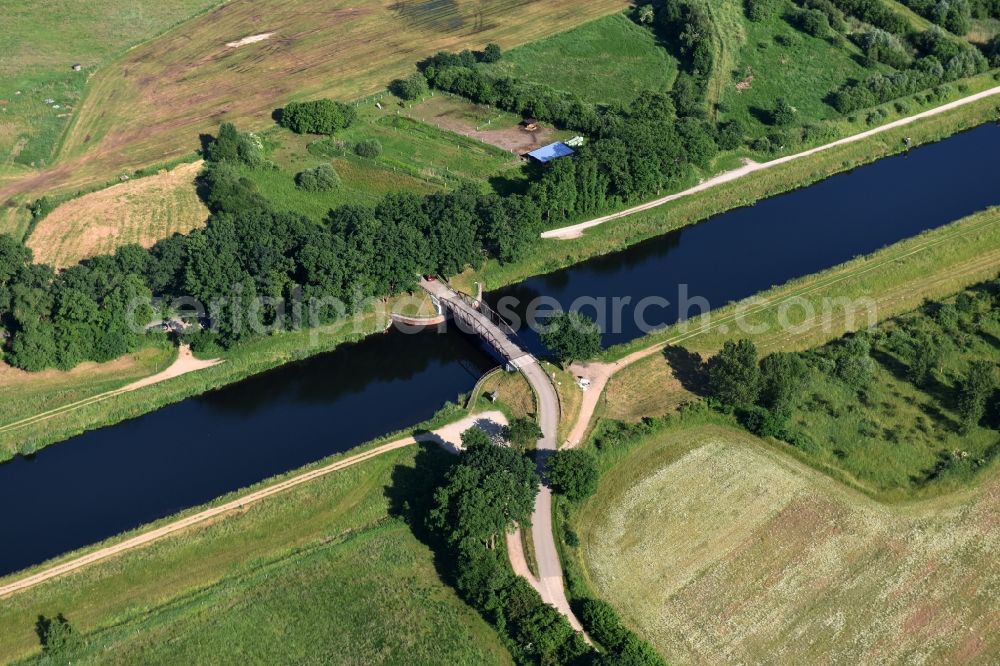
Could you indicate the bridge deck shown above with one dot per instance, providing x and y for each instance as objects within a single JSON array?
[{"x": 497, "y": 333}]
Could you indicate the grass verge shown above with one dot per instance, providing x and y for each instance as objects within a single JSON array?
[{"x": 334, "y": 542}]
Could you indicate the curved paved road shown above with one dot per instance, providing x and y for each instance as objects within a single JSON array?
[
  {"x": 550, "y": 578},
  {"x": 550, "y": 581}
]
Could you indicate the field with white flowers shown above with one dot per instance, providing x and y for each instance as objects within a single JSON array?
[{"x": 720, "y": 549}]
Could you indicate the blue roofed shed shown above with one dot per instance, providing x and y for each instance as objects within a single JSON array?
[{"x": 550, "y": 152}]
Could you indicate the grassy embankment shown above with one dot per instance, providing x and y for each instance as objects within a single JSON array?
[
  {"x": 151, "y": 104},
  {"x": 544, "y": 257},
  {"x": 894, "y": 460},
  {"x": 552, "y": 255},
  {"x": 781, "y": 550},
  {"x": 271, "y": 580}
]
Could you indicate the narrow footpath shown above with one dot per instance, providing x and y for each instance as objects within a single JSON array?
[
  {"x": 576, "y": 230},
  {"x": 449, "y": 437},
  {"x": 182, "y": 365}
]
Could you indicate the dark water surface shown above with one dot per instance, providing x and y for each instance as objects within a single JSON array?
[
  {"x": 109, "y": 480},
  {"x": 113, "y": 479},
  {"x": 745, "y": 251}
]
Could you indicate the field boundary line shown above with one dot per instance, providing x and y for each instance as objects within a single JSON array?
[{"x": 576, "y": 230}]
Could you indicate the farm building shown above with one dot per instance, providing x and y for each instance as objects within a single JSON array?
[{"x": 553, "y": 151}]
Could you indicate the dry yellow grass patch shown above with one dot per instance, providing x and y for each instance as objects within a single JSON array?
[
  {"x": 720, "y": 549},
  {"x": 513, "y": 390},
  {"x": 138, "y": 211},
  {"x": 646, "y": 388},
  {"x": 151, "y": 104}
]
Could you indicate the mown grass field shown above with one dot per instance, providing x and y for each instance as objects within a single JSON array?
[
  {"x": 717, "y": 548},
  {"x": 142, "y": 211},
  {"x": 416, "y": 157},
  {"x": 325, "y": 572},
  {"x": 151, "y": 104},
  {"x": 608, "y": 60},
  {"x": 42, "y": 40}
]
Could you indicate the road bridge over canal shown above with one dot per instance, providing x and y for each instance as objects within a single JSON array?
[{"x": 480, "y": 318}]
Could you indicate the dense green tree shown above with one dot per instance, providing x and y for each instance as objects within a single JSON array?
[
  {"x": 602, "y": 622},
  {"x": 731, "y": 134},
  {"x": 321, "y": 116},
  {"x": 974, "y": 391},
  {"x": 782, "y": 377},
  {"x": 623, "y": 648},
  {"x": 454, "y": 233},
  {"x": 923, "y": 358},
  {"x": 58, "y": 639},
  {"x": 783, "y": 113},
  {"x": 992, "y": 50},
  {"x": 813, "y": 22},
  {"x": 492, "y": 52},
  {"x": 854, "y": 364},
  {"x": 734, "y": 374},
  {"x": 573, "y": 473},
  {"x": 760, "y": 10},
  {"x": 488, "y": 491},
  {"x": 370, "y": 148},
  {"x": 522, "y": 433},
  {"x": 13, "y": 257},
  {"x": 571, "y": 336},
  {"x": 225, "y": 147},
  {"x": 411, "y": 88},
  {"x": 320, "y": 178},
  {"x": 509, "y": 224}
]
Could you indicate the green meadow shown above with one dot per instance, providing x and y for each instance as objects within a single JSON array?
[{"x": 608, "y": 60}]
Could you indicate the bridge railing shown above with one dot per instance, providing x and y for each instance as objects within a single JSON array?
[
  {"x": 502, "y": 346},
  {"x": 483, "y": 308}
]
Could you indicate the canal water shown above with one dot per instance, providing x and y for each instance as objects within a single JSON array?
[
  {"x": 748, "y": 250},
  {"x": 110, "y": 480}
]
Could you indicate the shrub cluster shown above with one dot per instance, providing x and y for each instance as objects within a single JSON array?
[
  {"x": 876, "y": 13},
  {"x": 320, "y": 178},
  {"x": 601, "y": 621},
  {"x": 942, "y": 59},
  {"x": 321, "y": 116},
  {"x": 952, "y": 15},
  {"x": 882, "y": 46}
]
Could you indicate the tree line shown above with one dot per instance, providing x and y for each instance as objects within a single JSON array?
[{"x": 490, "y": 490}]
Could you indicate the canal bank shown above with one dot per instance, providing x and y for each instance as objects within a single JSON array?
[
  {"x": 262, "y": 354},
  {"x": 114, "y": 479}
]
